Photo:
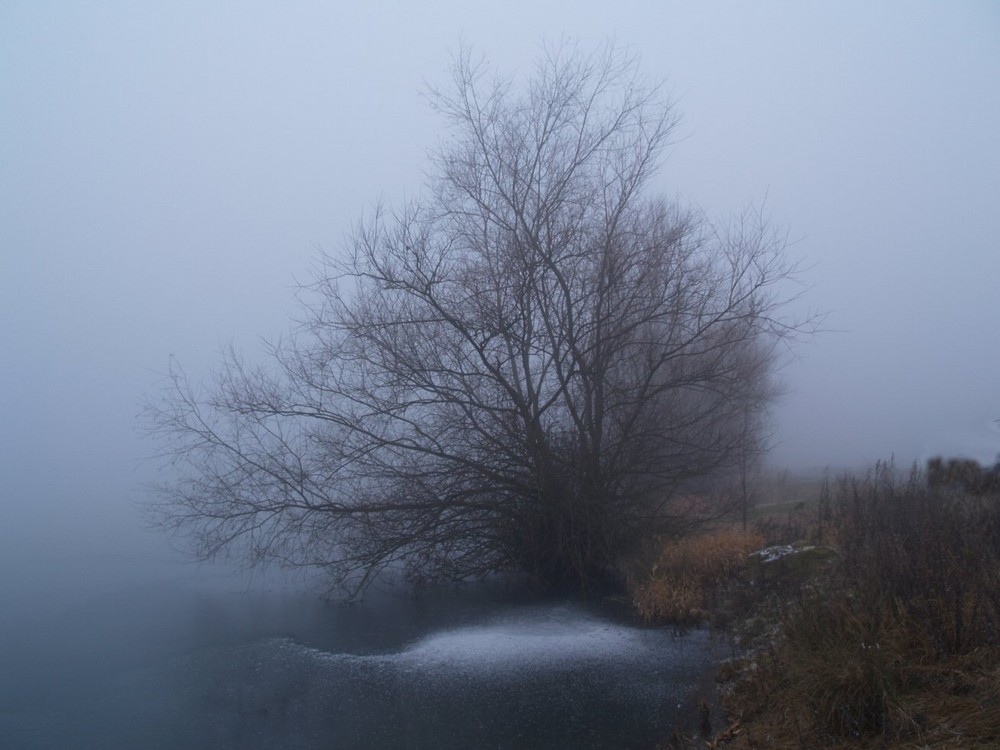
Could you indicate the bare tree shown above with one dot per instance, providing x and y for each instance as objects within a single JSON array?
[{"x": 526, "y": 370}]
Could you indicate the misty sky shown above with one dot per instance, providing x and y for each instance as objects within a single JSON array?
[{"x": 168, "y": 170}]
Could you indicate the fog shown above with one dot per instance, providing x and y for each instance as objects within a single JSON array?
[{"x": 169, "y": 170}]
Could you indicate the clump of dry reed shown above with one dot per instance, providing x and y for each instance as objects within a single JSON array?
[{"x": 688, "y": 573}]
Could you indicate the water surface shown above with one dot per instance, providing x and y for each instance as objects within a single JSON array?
[{"x": 124, "y": 651}]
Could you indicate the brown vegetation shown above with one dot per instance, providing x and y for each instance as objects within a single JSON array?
[
  {"x": 688, "y": 574},
  {"x": 871, "y": 621},
  {"x": 894, "y": 645}
]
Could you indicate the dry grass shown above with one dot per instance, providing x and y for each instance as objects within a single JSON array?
[
  {"x": 899, "y": 644},
  {"x": 846, "y": 679},
  {"x": 688, "y": 574},
  {"x": 880, "y": 630}
]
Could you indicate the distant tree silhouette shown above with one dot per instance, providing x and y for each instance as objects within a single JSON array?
[{"x": 963, "y": 473}]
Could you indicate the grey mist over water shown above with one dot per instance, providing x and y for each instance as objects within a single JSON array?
[
  {"x": 167, "y": 173},
  {"x": 162, "y": 659}
]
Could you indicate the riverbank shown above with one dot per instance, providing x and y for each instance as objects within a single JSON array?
[{"x": 867, "y": 617}]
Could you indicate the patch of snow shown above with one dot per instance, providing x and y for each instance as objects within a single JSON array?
[{"x": 776, "y": 552}]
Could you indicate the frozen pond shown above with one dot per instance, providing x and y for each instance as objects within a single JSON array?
[{"x": 118, "y": 652}]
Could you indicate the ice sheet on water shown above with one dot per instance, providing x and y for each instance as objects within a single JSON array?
[
  {"x": 534, "y": 637},
  {"x": 542, "y": 637}
]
